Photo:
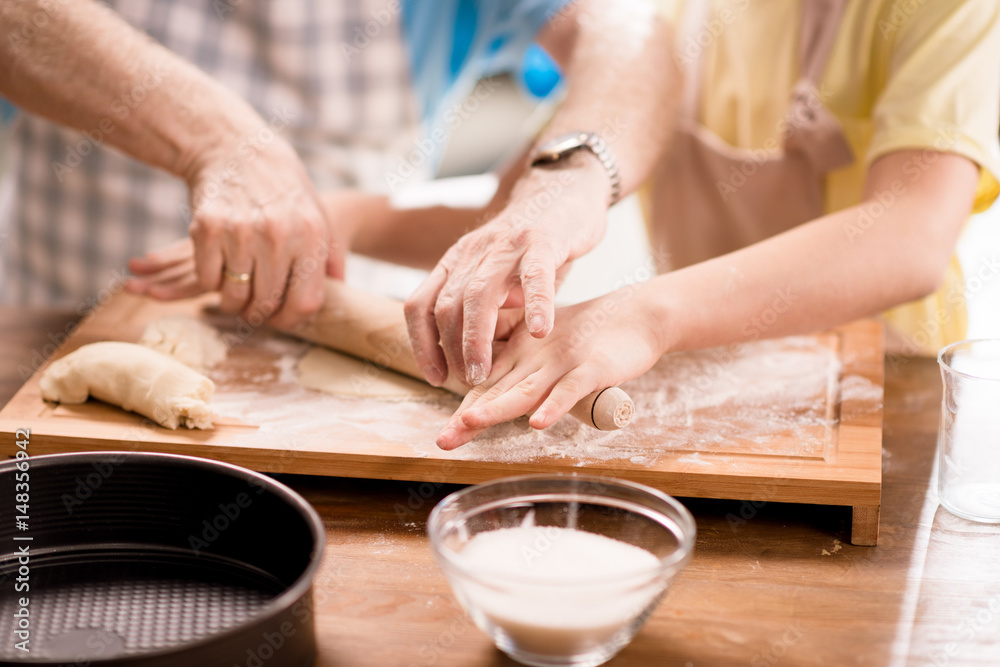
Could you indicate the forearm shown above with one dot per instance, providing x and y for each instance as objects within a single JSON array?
[
  {"x": 414, "y": 237},
  {"x": 622, "y": 83},
  {"x": 854, "y": 263},
  {"x": 86, "y": 68}
]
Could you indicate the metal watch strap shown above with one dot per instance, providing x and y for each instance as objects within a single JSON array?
[{"x": 596, "y": 145}]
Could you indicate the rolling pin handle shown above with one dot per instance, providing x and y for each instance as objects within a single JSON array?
[{"x": 606, "y": 410}]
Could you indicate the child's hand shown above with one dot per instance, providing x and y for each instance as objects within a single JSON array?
[
  {"x": 166, "y": 274},
  {"x": 597, "y": 344}
]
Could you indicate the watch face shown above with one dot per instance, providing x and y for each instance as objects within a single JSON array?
[{"x": 562, "y": 145}]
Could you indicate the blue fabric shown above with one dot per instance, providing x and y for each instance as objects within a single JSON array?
[
  {"x": 7, "y": 112},
  {"x": 454, "y": 43},
  {"x": 540, "y": 74}
]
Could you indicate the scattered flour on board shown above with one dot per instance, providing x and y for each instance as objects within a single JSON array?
[
  {"x": 769, "y": 397},
  {"x": 858, "y": 388},
  {"x": 706, "y": 402}
]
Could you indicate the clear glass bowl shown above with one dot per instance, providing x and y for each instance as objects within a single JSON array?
[{"x": 560, "y": 569}]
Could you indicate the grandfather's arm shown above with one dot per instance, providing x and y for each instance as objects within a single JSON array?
[{"x": 78, "y": 64}]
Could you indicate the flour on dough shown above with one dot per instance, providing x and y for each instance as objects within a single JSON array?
[
  {"x": 192, "y": 342},
  {"x": 135, "y": 378},
  {"x": 341, "y": 374}
]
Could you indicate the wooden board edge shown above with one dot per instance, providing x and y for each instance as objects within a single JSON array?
[{"x": 459, "y": 471}]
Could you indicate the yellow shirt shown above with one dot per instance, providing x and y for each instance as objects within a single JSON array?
[{"x": 903, "y": 74}]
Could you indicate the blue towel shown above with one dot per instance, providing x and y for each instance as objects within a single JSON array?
[
  {"x": 540, "y": 75},
  {"x": 454, "y": 43}
]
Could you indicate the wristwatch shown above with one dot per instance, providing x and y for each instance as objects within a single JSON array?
[{"x": 561, "y": 147}]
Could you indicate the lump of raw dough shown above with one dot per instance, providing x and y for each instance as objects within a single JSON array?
[
  {"x": 189, "y": 341},
  {"x": 135, "y": 378}
]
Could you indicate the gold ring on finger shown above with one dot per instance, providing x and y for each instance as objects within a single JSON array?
[{"x": 236, "y": 277}]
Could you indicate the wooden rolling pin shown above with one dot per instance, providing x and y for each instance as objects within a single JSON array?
[{"x": 373, "y": 327}]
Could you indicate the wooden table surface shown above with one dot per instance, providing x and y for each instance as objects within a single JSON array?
[{"x": 772, "y": 584}]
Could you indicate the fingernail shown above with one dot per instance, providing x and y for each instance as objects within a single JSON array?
[
  {"x": 536, "y": 324},
  {"x": 476, "y": 373},
  {"x": 432, "y": 375},
  {"x": 445, "y": 437}
]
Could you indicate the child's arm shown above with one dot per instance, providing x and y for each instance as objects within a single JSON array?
[
  {"x": 413, "y": 237},
  {"x": 892, "y": 248}
]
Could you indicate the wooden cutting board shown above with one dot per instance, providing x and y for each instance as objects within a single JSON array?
[{"x": 790, "y": 420}]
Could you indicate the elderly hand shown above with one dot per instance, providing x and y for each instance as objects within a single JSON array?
[
  {"x": 260, "y": 237},
  {"x": 596, "y": 344},
  {"x": 553, "y": 217},
  {"x": 286, "y": 244}
]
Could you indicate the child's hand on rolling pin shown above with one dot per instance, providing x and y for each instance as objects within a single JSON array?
[{"x": 596, "y": 344}]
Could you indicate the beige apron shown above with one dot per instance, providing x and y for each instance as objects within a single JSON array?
[{"x": 710, "y": 198}]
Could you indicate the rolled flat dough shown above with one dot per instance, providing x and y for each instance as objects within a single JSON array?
[
  {"x": 192, "y": 342},
  {"x": 135, "y": 378},
  {"x": 341, "y": 374}
]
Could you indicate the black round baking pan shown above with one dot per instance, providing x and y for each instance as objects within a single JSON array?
[{"x": 154, "y": 560}]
